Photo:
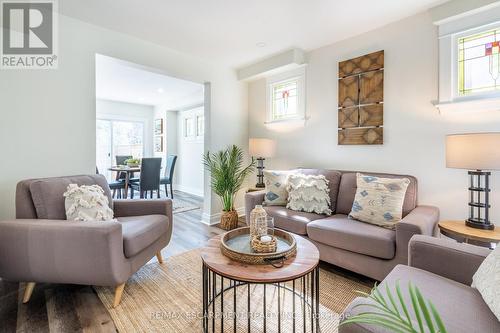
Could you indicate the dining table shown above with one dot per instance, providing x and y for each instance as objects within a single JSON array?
[{"x": 128, "y": 170}]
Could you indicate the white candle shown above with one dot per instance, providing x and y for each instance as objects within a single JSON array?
[{"x": 266, "y": 239}]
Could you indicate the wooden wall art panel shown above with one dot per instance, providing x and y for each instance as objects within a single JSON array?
[
  {"x": 361, "y": 98},
  {"x": 361, "y": 136}
]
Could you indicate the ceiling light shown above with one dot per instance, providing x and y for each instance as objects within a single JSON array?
[
  {"x": 260, "y": 44},
  {"x": 160, "y": 90}
]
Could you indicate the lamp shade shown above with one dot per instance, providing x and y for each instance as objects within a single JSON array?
[
  {"x": 474, "y": 151},
  {"x": 260, "y": 147}
]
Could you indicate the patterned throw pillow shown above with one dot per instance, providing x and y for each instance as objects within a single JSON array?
[
  {"x": 378, "y": 200},
  {"x": 308, "y": 193},
  {"x": 276, "y": 193},
  {"x": 487, "y": 281},
  {"x": 87, "y": 203}
]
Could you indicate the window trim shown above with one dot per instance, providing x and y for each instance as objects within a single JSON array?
[{"x": 298, "y": 74}]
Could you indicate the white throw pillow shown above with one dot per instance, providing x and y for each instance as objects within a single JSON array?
[
  {"x": 487, "y": 281},
  {"x": 308, "y": 193},
  {"x": 87, "y": 203},
  {"x": 379, "y": 200},
  {"x": 276, "y": 193}
]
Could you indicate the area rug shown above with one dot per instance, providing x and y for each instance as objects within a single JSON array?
[
  {"x": 180, "y": 206},
  {"x": 168, "y": 298}
]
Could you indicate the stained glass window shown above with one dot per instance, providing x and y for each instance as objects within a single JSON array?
[
  {"x": 284, "y": 99},
  {"x": 479, "y": 62}
]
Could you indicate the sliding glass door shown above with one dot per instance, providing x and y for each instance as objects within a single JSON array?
[{"x": 117, "y": 137}]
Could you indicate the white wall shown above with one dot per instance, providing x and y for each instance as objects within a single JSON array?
[
  {"x": 48, "y": 116},
  {"x": 106, "y": 109},
  {"x": 189, "y": 168},
  {"x": 414, "y": 131}
]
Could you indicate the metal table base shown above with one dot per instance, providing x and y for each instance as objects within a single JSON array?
[{"x": 305, "y": 288}]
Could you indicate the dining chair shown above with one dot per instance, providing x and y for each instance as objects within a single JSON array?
[
  {"x": 149, "y": 179},
  {"x": 120, "y": 160},
  {"x": 169, "y": 174},
  {"x": 114, "y": 186}
]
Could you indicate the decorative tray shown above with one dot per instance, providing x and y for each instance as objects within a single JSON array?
[{"x": 235, "y": 244}]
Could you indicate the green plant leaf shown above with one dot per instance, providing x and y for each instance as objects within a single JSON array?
[
  {"x": 425, "y": 311},
  {"x": 402, "y": 302},
  {"x": 437, "y": 318},
  {"x": 414, "y": 302}
]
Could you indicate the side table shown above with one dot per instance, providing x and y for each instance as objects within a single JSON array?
[{"x": 462, "y": 233}]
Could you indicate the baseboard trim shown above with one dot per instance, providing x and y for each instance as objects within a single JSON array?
[{"x": 211, "y": 219}]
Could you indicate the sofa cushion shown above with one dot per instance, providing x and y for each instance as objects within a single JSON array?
[
  {"x": 276, "y": 191},
  {"x": 291, "y": 220},
  {"x": 461, "y": 307},
  {"x": 347, "y": 191},
  {"x": 141, "y": 231},
  {"x": 379, "y": 200},
  {"x": 47, "y": 194},
  {"x": 487, "y": 281},
  {"x": 341, "y": 232},
  {"x": 308, "y": 193},
  {"x": 333, "y": 177},
  {"x": 87, "y": 203}
]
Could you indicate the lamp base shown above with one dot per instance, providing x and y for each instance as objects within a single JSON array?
[
  {"x": 479, "y": 225},
  {"x": 260, "y": 173}
]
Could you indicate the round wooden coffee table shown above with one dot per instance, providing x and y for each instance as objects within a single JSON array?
[{"x": 299, "y": 276}]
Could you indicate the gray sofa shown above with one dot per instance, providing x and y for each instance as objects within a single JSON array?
[
  {"x": 442, "y": 270},
  {"x": 40, "y": 246},
  {"x": 359, "y": 247}
]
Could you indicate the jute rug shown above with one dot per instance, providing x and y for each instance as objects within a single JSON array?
[{"x": 168, "y": 298}]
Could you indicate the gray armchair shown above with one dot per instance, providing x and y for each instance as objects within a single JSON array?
[
  {"x": 40, "y": 246},
  {"x": 443, "y": 271}
]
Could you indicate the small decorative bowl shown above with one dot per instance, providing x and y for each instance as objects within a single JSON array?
[
  {"x": 263, "y": 247},
  {"x": 132, "y": 165}
]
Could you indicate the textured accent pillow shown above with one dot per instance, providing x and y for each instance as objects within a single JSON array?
[
  {"x": 276, "y": 193},
  {"x": 87, "y": 203},
  {"x": 308, "y": 193},
  {"x": 487, "y": 281},
  {"x": 379, "y": 200}
]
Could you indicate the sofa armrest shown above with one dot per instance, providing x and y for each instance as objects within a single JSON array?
[
  {"x": 455, "y": 261},
  {"x": 252, "y": 199},
  {"x": 60, "y": 251},
  {"x": 124, "y": 208},
  {"x": 420, "y": 221}
]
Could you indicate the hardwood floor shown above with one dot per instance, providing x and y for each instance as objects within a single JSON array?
[{"x": 73, "y": 308}]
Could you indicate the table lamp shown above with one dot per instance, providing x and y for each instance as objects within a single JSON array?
[
  {"x": 261, "y": 149},
  {"x": 475, "y": 152}
]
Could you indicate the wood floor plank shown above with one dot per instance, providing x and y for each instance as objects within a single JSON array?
[
  {"x": 8, "y": 306},
  {"x": 61, "y": 310},
  {"x": 32, "y": 316},
  {"x": 93, "y": 316}
]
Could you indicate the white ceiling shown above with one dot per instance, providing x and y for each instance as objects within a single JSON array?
[
  {"x": 118, "y": 80},
  {"x": 229, "y": 31}
]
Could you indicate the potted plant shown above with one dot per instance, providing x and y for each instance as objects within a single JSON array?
[
  {"x": 133, "y": 162},
  {"x": 227, "y": 175}
]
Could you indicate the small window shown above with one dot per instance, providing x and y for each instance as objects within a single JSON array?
[
  {"x": 200, "y": 125},
  {"x": 479, "y": 62},
  {"x": 286, "y": 96},
  {"x": 189, "y": 127}
]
